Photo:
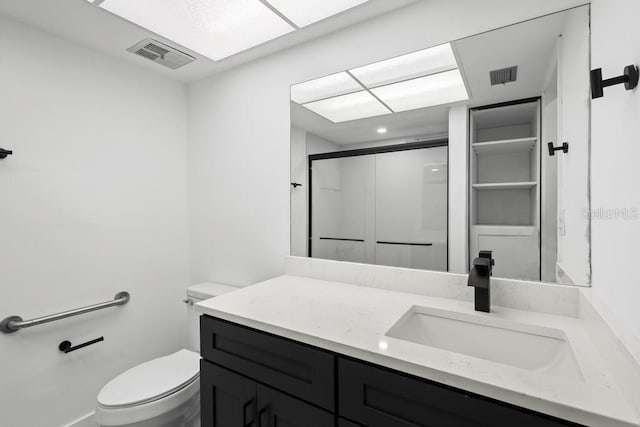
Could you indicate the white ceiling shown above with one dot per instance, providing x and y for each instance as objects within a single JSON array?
[
  {"x": 529, "y": 45},
  {"x": 79, "y": 21}
]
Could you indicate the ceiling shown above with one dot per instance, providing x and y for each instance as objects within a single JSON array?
[
  {"x": 530, "y": 45},
  {"x": 81, "y": 22}
]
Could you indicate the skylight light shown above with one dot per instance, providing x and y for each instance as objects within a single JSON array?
[
  {"x": 436, "y": 89},
  {"x": 343, "y": 108},
  {"x": 324, "y": 87},
  {"x": 420, "y": 79},
  {"x": 305, "y": 13},
  {"x": 416, "y": 64},
  {"x": 218, "y": 29},
  {"x": 214, "y": 28}
]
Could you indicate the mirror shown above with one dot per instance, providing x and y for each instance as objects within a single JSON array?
[{"x": 425, "y": 159}]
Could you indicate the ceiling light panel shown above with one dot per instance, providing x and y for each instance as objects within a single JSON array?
[
  {"x": 436, "y": 89},
  {"x": 324, "y": 87},
  {"x": 417, "y": 64},
  {"x": 353, "y": 106},
  {"x": 213, "y": 28},
  {"x": 303, "y": 13}
]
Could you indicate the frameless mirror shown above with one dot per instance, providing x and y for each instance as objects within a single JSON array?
[{"x": 425, "y": 159}]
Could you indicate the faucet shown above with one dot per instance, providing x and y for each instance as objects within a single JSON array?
[{"x": 479, "y": 278}]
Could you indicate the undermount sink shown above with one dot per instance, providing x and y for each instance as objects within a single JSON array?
[{"x": 534, "y": 348}]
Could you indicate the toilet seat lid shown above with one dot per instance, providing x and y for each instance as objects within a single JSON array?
[{"x": 151, "y": 380}]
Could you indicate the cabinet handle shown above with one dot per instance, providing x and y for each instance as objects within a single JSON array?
[
  {"x": 244, "y": 413},
  {"x": 263, "y": 411}
]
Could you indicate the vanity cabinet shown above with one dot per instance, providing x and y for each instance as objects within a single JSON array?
[
  {"x": 377, "y": 397},
  {"x": 300, "y": 370},
  {"x": 229, "y": 399},
  {"x": 251, "y": 378}
]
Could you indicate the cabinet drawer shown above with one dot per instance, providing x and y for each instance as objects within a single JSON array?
[
  {"x": 294, "y": 368},
  {"x": 376, "y": 397}
]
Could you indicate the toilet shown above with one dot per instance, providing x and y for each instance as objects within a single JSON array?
[{"x": 163, "y": 392}]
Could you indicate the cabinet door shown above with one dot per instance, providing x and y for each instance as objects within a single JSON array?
[
  {"x": 226, "y": 399},
  {"x": 376, "y": 397},
  {"x": 302, "y": 371},
  {"x": 280, "y": 410}
]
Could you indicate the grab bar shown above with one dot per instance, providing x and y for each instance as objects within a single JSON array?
[{"x": 15, "y": 323}]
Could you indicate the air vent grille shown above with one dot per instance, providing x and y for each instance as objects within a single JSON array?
[
  {"x": 156, "y": 49},
  {"x": 504, "y": 75},
  {"x": 161, "y": 53},
  {"x": 149, "y": 55}
]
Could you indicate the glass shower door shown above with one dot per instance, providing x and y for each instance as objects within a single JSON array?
[
  {"x": 341, "y": 206},
  {"x": 411, "y": 209},
  {"x": 387, "y": 208}
]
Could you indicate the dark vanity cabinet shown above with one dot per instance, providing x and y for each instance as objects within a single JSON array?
[
  {"x": 229, "y": 399},
  {"x": 251, "y": 378}
]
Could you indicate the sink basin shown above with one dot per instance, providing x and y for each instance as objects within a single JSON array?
[{"x": 531, "y": 347}]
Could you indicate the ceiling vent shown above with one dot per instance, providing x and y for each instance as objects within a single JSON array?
[
  {"x": 504, "y": 75},
  {"x": 161, "y": 53}
]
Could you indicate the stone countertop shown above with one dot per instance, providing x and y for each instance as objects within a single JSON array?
[{"x": 353, "y": 320}]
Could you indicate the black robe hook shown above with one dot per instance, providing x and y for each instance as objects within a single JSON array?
[
  {"x": 4, "y": 153},
  {"x": 629, "y": 78}
]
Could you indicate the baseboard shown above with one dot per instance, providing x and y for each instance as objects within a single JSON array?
[{"x": 84, "y": 421}]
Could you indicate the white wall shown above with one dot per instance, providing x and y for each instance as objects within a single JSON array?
[
  {"x": 92, "y": 202},
  {"x": 458, "y": 189},
  {"x": 573, "y": 169},
  {"x": 615, "y": 151},
  {"x": 299, "y": 171},
  {"x": 239, "y": 129}
]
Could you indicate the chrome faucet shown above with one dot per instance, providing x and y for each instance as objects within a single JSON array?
[{"x": 479, "y": 278}]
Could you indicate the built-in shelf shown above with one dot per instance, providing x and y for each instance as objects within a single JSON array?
[
  {"x": 505, "y": 146},
  {"x": 506, "y": 229},
  {"x": 505, "y": 185},
  {"x": 504, "y": 179}
]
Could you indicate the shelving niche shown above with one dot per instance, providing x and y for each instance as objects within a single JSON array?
[{"x": 504, "y": 183}]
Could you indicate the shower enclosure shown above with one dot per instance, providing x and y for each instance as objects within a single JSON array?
[{"x": 381, "y": 205}]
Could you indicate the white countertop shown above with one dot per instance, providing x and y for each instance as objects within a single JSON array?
[{"x": 352, "y": 320}]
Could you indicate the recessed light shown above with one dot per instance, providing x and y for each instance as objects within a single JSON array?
[
  {"x": 382, "y": 130},
  {"x": 435, "y": 170}
]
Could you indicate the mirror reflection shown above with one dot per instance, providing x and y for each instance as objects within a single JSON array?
[{"x": 428, "y": 158}]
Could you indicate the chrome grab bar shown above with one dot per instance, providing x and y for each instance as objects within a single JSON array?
[{"x": 14, "y": 323}]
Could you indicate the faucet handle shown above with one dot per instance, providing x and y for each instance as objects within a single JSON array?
[
  {"x": 482, "y": 262},
  {"x": 487, "y": 254}
]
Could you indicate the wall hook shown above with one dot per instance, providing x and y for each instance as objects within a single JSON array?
[
  {"x": 4, "y": 153},
  {"x": 552, "y": 150},
  {"x": 296, "y": 185},
  {"x": 65, "y": 346},
  {"x": 629, "y": 78}
]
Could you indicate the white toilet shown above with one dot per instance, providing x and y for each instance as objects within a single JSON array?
[{"x": 163, "y": 392}]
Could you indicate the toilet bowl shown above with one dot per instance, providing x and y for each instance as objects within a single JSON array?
[{"x": 163, "y": 392}]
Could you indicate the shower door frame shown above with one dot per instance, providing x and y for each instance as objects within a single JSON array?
[{"x": 432, "y": 143}]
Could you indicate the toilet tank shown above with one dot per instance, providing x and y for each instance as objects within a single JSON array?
[{"x": 197, "y": 293}]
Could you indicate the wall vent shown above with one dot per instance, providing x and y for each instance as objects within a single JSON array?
[
  {"x": 504, "y": 75},
  {"x": 161, "y": 53}
]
